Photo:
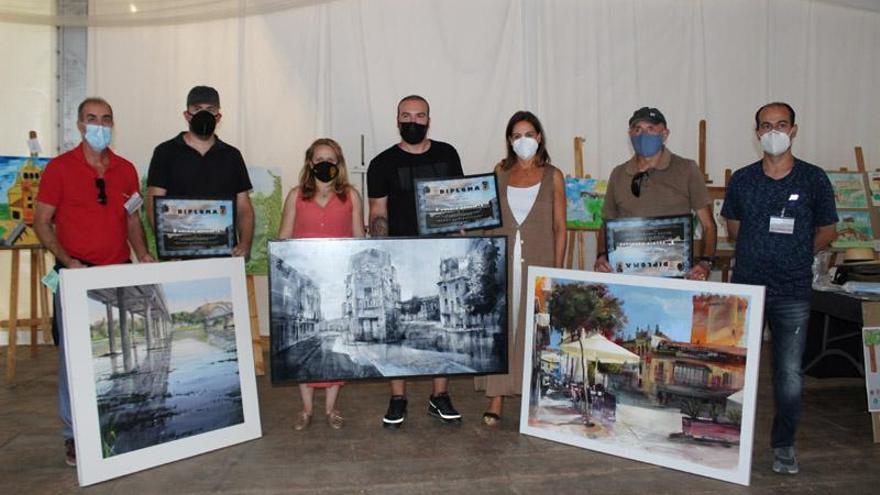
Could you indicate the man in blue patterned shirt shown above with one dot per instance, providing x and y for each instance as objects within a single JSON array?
[{"x": 781, "y": 212}]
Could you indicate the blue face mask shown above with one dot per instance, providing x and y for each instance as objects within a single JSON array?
[
  {"x": 98, "y": 136},
  {"x": 647, "y": 144}
]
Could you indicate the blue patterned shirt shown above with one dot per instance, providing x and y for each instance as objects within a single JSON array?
[{"x": 780, "y": 262}]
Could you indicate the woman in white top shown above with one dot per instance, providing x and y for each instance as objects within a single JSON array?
[{"x": 532, "y": 194}]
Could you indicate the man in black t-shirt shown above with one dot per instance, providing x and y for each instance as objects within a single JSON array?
[
  {"x": 393, "y": 212},
  {"x": 196, "y": 163}
]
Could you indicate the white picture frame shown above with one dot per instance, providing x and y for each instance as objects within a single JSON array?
[
  {"x": 97, "y": 462},
  {"x": 596, "y": 413}
]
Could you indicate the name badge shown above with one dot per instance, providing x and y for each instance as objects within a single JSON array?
[
  {"x": 781, "y": 225},
  {"x": 134, "y": 202}
]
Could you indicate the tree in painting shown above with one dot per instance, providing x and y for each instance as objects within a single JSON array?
[{"x": 484, "y": 288}]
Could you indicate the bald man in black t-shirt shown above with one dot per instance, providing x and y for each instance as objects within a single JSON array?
[{"x": 393, "y": 213}]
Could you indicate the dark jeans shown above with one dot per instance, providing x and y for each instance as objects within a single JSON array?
[{"x": 788, "y": 320}]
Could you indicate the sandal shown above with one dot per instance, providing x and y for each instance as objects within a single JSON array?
[
  {"x": 302, "y": 421},
  {"x": 491, "y": 419},
  {"x": 335, "y": 419}
]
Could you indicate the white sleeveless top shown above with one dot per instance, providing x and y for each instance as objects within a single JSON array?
[{"x": 521, "y": 199}]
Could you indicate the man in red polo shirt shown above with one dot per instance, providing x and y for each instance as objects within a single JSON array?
[{"x": 87, "y": 214}]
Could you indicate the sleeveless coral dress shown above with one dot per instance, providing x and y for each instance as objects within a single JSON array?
[{"x": 314, "y": 221}]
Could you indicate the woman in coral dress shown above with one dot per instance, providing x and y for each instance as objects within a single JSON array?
[{"x": 324, "y": 204}]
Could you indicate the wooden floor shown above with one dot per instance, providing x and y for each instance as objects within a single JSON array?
[{"x": 836, "y": 451}]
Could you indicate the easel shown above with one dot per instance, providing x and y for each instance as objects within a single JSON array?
[
  {"x": 723, "y": 258},
  {"x": 256, "y": 339},
  {"x": 39, "y": 299},
  {"x": 577, "y": 239}
]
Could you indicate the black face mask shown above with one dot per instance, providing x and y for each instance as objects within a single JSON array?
[
  {"x": 325, "y": 171},
  {"x": 203, "y": 123},
  {"x": 412, "y": 132}
]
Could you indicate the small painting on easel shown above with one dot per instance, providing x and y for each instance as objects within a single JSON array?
[
  {"x": 874, "y": 185},
  {"x": 19, "y": 183},
  {"x": 849, "y": 189},
  {"x": 583, "y": 203},
  {"x": 854, "y": 230}
]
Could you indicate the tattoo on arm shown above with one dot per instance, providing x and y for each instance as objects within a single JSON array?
[{"x": 379, "y": 227}]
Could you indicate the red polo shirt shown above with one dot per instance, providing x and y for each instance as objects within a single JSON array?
[{"x": 86, "y": 229}]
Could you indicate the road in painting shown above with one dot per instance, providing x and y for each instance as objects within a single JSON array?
[
  {"x": 165, "y": 362},
  {"x": 349, "y": 309},
  {"x": 659, "y": 371}
]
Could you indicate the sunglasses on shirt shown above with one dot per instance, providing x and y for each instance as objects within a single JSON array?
[
  {"x": 102, "y": 191},
  {"x": 636, "y": 184}
]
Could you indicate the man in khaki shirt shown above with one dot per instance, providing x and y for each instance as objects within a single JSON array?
[{"x": 656, "y": 182}]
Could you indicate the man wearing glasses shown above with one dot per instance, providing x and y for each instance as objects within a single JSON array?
[
  {"x": 656, "y": 182},
  {"x": 781, "y": 211},
  {"x": 196, "y": 163},
  {"x": 87, "y": 215}
]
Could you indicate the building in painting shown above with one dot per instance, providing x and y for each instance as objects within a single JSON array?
[
  {"x": 421, "y": 308},
  {"x": 22, "y": 194},
  {"x": 467, "y": 282},
  {"x": 719, "y": 319},
  {"x": 298, "y": 302},
  {"x": 453, "y": 292},
  {"x": 679, "y": 371},
  {"x": 372, "y": 297}
]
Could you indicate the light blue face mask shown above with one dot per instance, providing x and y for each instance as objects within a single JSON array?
[
  {"x": 98, "y": 136},
  {"x": 647, "y": 144}
]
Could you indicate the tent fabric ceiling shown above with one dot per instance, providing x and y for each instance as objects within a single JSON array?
[{"x": 153, "y": 12}]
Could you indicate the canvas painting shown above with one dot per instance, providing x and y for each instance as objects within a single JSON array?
[
  {"x": 874, "y": 185},
  {"x": 583, "y": 202},
  {"x": 346, "y": 309},
  {"x": 663, "y": 371},
  {"x": 871, "y": 342},
  {"x": 19, "y": 184},
  {"x": 854, "y": 229},
  {"x": 268, "y": 201},
  {"x": 160, "y": 363},
  {"x": 849, "y": 189},
  {"x": 460, "y": 203},
  {"x": 659, "y": 246}
]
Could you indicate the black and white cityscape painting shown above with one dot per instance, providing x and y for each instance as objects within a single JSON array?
[{"x": 346, "y": 309}]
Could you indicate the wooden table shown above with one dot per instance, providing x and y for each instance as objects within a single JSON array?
[{"x": 842, "y": 318}]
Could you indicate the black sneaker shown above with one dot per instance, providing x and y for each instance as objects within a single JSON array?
[
  {"x": 70, "y": 452},
  {"x": 396, "y": 412},
  {"x": 440, "y": 406}
]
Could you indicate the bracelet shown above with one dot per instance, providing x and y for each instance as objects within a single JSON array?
[{"x": 708, "y": 259}]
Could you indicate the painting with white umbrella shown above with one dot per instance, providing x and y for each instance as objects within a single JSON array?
[{"x": 658, "y": 370}]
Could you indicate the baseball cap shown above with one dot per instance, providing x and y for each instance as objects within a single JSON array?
[
  {"x": 652, "y": 115},
  {"x": 201, "y": 95}
]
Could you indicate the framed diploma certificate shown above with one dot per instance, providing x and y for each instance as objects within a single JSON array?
[
  {"x": 659, "y": 246},
  {"x": 461, "y": 203},
  {"x": 194, "y": 227}
]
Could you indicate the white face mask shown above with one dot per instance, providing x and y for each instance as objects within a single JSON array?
[
  {"x": 525, "y": 147},
  {"x": 775, "y": 143}
]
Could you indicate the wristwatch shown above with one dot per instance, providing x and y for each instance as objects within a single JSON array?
[{"x": 709, "y": 260}]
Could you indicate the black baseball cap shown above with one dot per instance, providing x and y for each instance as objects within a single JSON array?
[
  {"x": 203, "y": 95},
  {"x": 652, "y": 115}
]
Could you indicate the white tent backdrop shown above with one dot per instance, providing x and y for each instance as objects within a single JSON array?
[{"x": 338, "y": 68}]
